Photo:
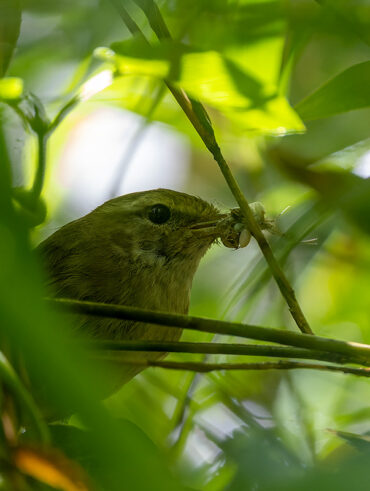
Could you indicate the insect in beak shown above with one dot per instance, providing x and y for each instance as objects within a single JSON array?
[{"x": 232, "y": 233}]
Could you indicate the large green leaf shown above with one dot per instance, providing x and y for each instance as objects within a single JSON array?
[
  {"x": 216, "y": 80},
  {"x": 347, "y": 91},
  {"x": 61, "y": 375}
]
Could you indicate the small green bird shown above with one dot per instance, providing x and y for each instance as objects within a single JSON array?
[{"x": 141, "y": 250}]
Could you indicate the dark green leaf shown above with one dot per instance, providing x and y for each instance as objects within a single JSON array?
[
  {"x": 10, "y": 21},
  {"x": 355, "y": 13},
  {"x": 343, "y": 191},
  {"x": 361, "y": 442},
  {"x": 347, "y": 91}
]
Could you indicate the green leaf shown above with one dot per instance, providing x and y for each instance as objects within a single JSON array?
[
  {"x": 361, "y": 442},
  {"x": 10, "y": 21},
  {"x": 343, "y": 191},
  {"x": 11, "y": 88},
  {"x": 346, "y": 92},
  {"x": 212, "y": 78},
  {"x": 134, "y": 65},
  {"x": 59, "y": 372}
]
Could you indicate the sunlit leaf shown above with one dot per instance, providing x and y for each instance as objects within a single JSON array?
[
  {"x": 213, "y": 79},
  {"x": 133, "y": 65}
]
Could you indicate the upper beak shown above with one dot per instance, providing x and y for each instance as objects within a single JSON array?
[{"x": 210, "y": 228}]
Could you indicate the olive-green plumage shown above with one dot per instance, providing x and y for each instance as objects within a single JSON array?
[{"x": 141, "y": 249}]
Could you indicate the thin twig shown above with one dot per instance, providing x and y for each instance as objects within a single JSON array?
[
  {"x": 182, "y": 412},
  {"x": 266, "y": 365},
  {"x": 355, "y": 351},
  {"x": 68, "y": 106},
  {"x": 127, "y": 19},
  {"x": 199, "y": 119}
]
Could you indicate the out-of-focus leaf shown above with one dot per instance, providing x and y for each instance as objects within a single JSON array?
[
  {"x": 154, "y": 67},
  {"x": 11, "y": 88},
  {"x": 51, "y": 467},
  {"x": 350, "y": 474},
  {"x": 58, "y": 369},
  {"x": 252, "y": 451},
  {"x": 32, "y": 208},
  {"x": 361, "y": 442},
  {"x": 347, "y": 91},
  {"x": 77, "y": 445},
  {"x": 250, "y": 103},
  {"x": 343, "y": 191},
  {"x": 213, "y": 79},
  {"x": 355, "y": 13},
  {"x": 10, "y": 21}
]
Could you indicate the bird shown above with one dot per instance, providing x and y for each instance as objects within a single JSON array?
[{"x": 141, "y": 249}]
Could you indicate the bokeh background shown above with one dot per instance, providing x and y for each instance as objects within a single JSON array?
[{"x": 252, "y": 63}]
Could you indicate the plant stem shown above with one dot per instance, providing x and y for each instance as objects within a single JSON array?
[
  {"x": 221, "y": 349},
  {"x": 199, "y": 119},
  {"x": 38, "y": 182},
  {"x": 266, "y": 365},
  {"x": 351, "y": 350},
  {"x": 63, "y": 113}
]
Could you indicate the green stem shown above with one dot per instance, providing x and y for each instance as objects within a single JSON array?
[
  {"x": 63, "y": 113},
  {"x": 266, "y": 365},
  {"x": 221, "y": 349},
  {"x": 355, "y": 351},
  {"x": 38, "y": 182}
]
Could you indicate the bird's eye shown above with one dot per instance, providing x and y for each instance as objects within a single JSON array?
[{"x": 159, "y": 214}]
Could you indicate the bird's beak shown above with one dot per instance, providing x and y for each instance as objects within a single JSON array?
[
  {"x": 208, "y": 229},
  {"x": 232, "y": 233}
]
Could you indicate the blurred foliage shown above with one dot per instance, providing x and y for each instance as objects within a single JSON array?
[{"x": 286, "y": 85}]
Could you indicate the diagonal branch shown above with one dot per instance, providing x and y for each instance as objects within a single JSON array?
[{"x": 199, "y": 119}]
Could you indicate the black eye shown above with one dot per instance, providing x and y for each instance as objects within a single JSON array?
[{"x": 159, "y": 214}]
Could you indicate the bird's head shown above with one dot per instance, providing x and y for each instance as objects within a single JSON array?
[{"x": 162, "y": 226}]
